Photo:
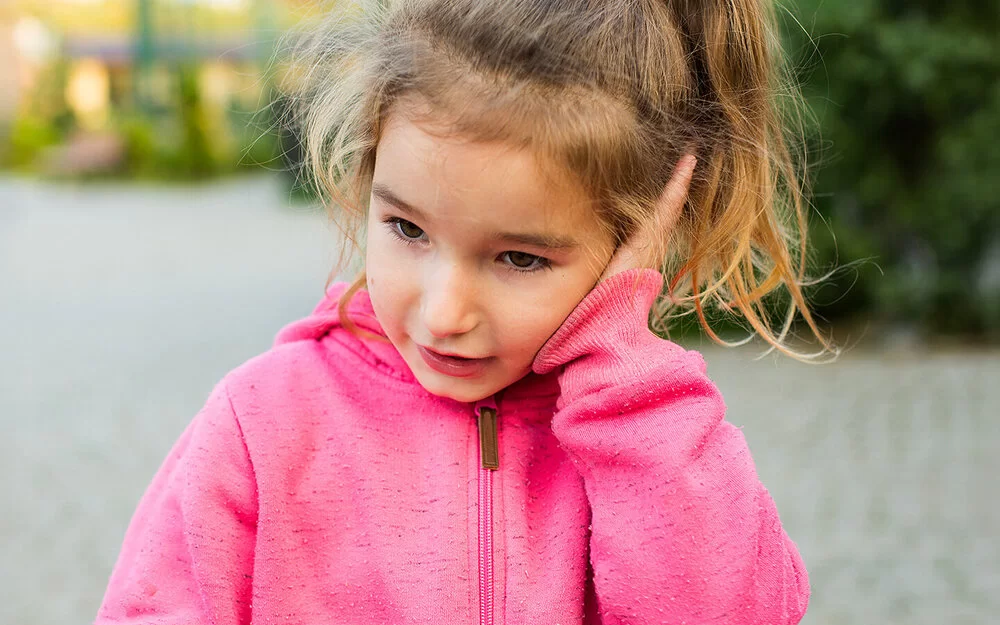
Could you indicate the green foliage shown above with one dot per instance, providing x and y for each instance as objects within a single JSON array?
[
  {"x": 179, "y": 139},
  {"x": 257, "y": 135},
  {"x": 907, "y": 99},
  {"x": 194, "y": 158},
  {"x": 189, "y": 140},
  {"x": 28, "y": 137},
  {"x": 44, "y": 122}
]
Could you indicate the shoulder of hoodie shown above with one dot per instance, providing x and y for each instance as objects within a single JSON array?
[{"x": 312, "y": 360}]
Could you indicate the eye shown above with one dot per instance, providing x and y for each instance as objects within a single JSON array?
[
  {"x": 521, "y": 261},
  {"x": 406, "y": 229}
]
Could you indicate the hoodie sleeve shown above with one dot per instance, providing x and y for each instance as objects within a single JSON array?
[
  {"x": 188, "y": 553},
  {"x": 682, "y": 529}
]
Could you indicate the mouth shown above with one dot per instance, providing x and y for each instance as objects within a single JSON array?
[{"x": 452, "y": 364}]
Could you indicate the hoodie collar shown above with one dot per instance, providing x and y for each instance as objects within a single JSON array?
[{"x": 325, "y": 318}]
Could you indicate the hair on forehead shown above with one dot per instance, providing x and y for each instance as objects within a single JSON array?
[{"x": 513, "y": 120}]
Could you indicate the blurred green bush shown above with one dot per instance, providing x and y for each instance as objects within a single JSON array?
[
  {"x": 44, "y": 122},
  {"x": 906, "y": 95}
]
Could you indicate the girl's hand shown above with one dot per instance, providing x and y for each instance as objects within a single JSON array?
[{"x": 637, "y": 252}]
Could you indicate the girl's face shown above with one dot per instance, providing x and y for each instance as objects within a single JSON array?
[{"x": 475, "y": 256}]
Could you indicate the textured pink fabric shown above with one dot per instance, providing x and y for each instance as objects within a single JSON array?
[{"x": 322, "y": 485}]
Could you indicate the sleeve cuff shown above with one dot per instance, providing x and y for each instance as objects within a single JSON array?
[{"x": 615, "y": 314}]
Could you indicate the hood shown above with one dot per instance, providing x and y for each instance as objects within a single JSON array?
[{"x": 325, "y": 318}]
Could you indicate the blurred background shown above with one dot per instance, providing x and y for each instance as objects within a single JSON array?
[{"x": 152, "y": 237}]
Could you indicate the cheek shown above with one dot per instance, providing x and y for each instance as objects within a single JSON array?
[
  {"x": 388, "y": 284},
  {"x": 534, "y": 317},
  {"x": 383, "y": 254}
]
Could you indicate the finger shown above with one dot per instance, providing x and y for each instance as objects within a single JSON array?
[
  {"x": 674, "y": 196},
  {"x": 666, "y": 213},
  {"x": 643, "y": 246}
]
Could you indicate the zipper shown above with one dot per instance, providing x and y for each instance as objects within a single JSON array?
[{"x": 489, "y": 456}]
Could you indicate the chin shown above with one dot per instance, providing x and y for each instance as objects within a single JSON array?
[{"x": 459, "y": 391}]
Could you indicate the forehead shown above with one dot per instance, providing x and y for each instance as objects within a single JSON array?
[{"x": 492, "y": 185}]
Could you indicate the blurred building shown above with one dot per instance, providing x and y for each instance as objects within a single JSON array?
[
  {"x": 95, "y": 59},
  {"x": 102, "y": 43}
]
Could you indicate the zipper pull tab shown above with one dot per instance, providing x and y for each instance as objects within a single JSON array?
[{"x": 489, "y": 446}]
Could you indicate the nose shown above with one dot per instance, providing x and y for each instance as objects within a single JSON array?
[{"x": 448, "y": 306}]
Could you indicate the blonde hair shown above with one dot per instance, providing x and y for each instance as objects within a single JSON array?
[{"x": 616, "y": 91}]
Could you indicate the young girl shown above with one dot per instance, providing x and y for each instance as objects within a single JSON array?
[{"x": 482, "y": 426}]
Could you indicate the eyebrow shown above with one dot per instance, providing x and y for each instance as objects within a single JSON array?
[
  {"x": 542, "y": 240},
  {"x": 383, "y": 193}
]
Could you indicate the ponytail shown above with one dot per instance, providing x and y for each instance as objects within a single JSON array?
[{"x": 746, "y": 223}]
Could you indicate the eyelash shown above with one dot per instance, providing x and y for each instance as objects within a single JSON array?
[{"x": 394, "y": 225}]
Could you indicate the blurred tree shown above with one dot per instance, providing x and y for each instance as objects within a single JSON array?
[
  {"x": 196, "y": 155},
  {"x": 907, "y": 99},
  {"x": 46, "y": 120},
  {"x": 144, "y": 54}
]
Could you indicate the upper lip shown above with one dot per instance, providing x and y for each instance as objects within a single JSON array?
[{"x": 447, "y": 355}]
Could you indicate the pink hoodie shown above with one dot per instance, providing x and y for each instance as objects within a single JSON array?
[{"x": 322, "y": 485}]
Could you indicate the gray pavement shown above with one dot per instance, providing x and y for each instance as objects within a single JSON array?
[{"x": 120, "y": 307}]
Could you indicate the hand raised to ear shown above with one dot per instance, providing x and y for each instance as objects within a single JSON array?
[{"x": 637, "y": 251}]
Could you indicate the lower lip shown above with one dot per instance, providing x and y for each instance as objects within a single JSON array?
[{"x": 455, "y": 367}]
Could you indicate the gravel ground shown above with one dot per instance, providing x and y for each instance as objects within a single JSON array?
[{"x": 120, "y": 307}]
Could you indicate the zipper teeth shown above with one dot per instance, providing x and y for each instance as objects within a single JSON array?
[
  {"x": 485, "y": 546},
  {"x": 489, "y": 456}
]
